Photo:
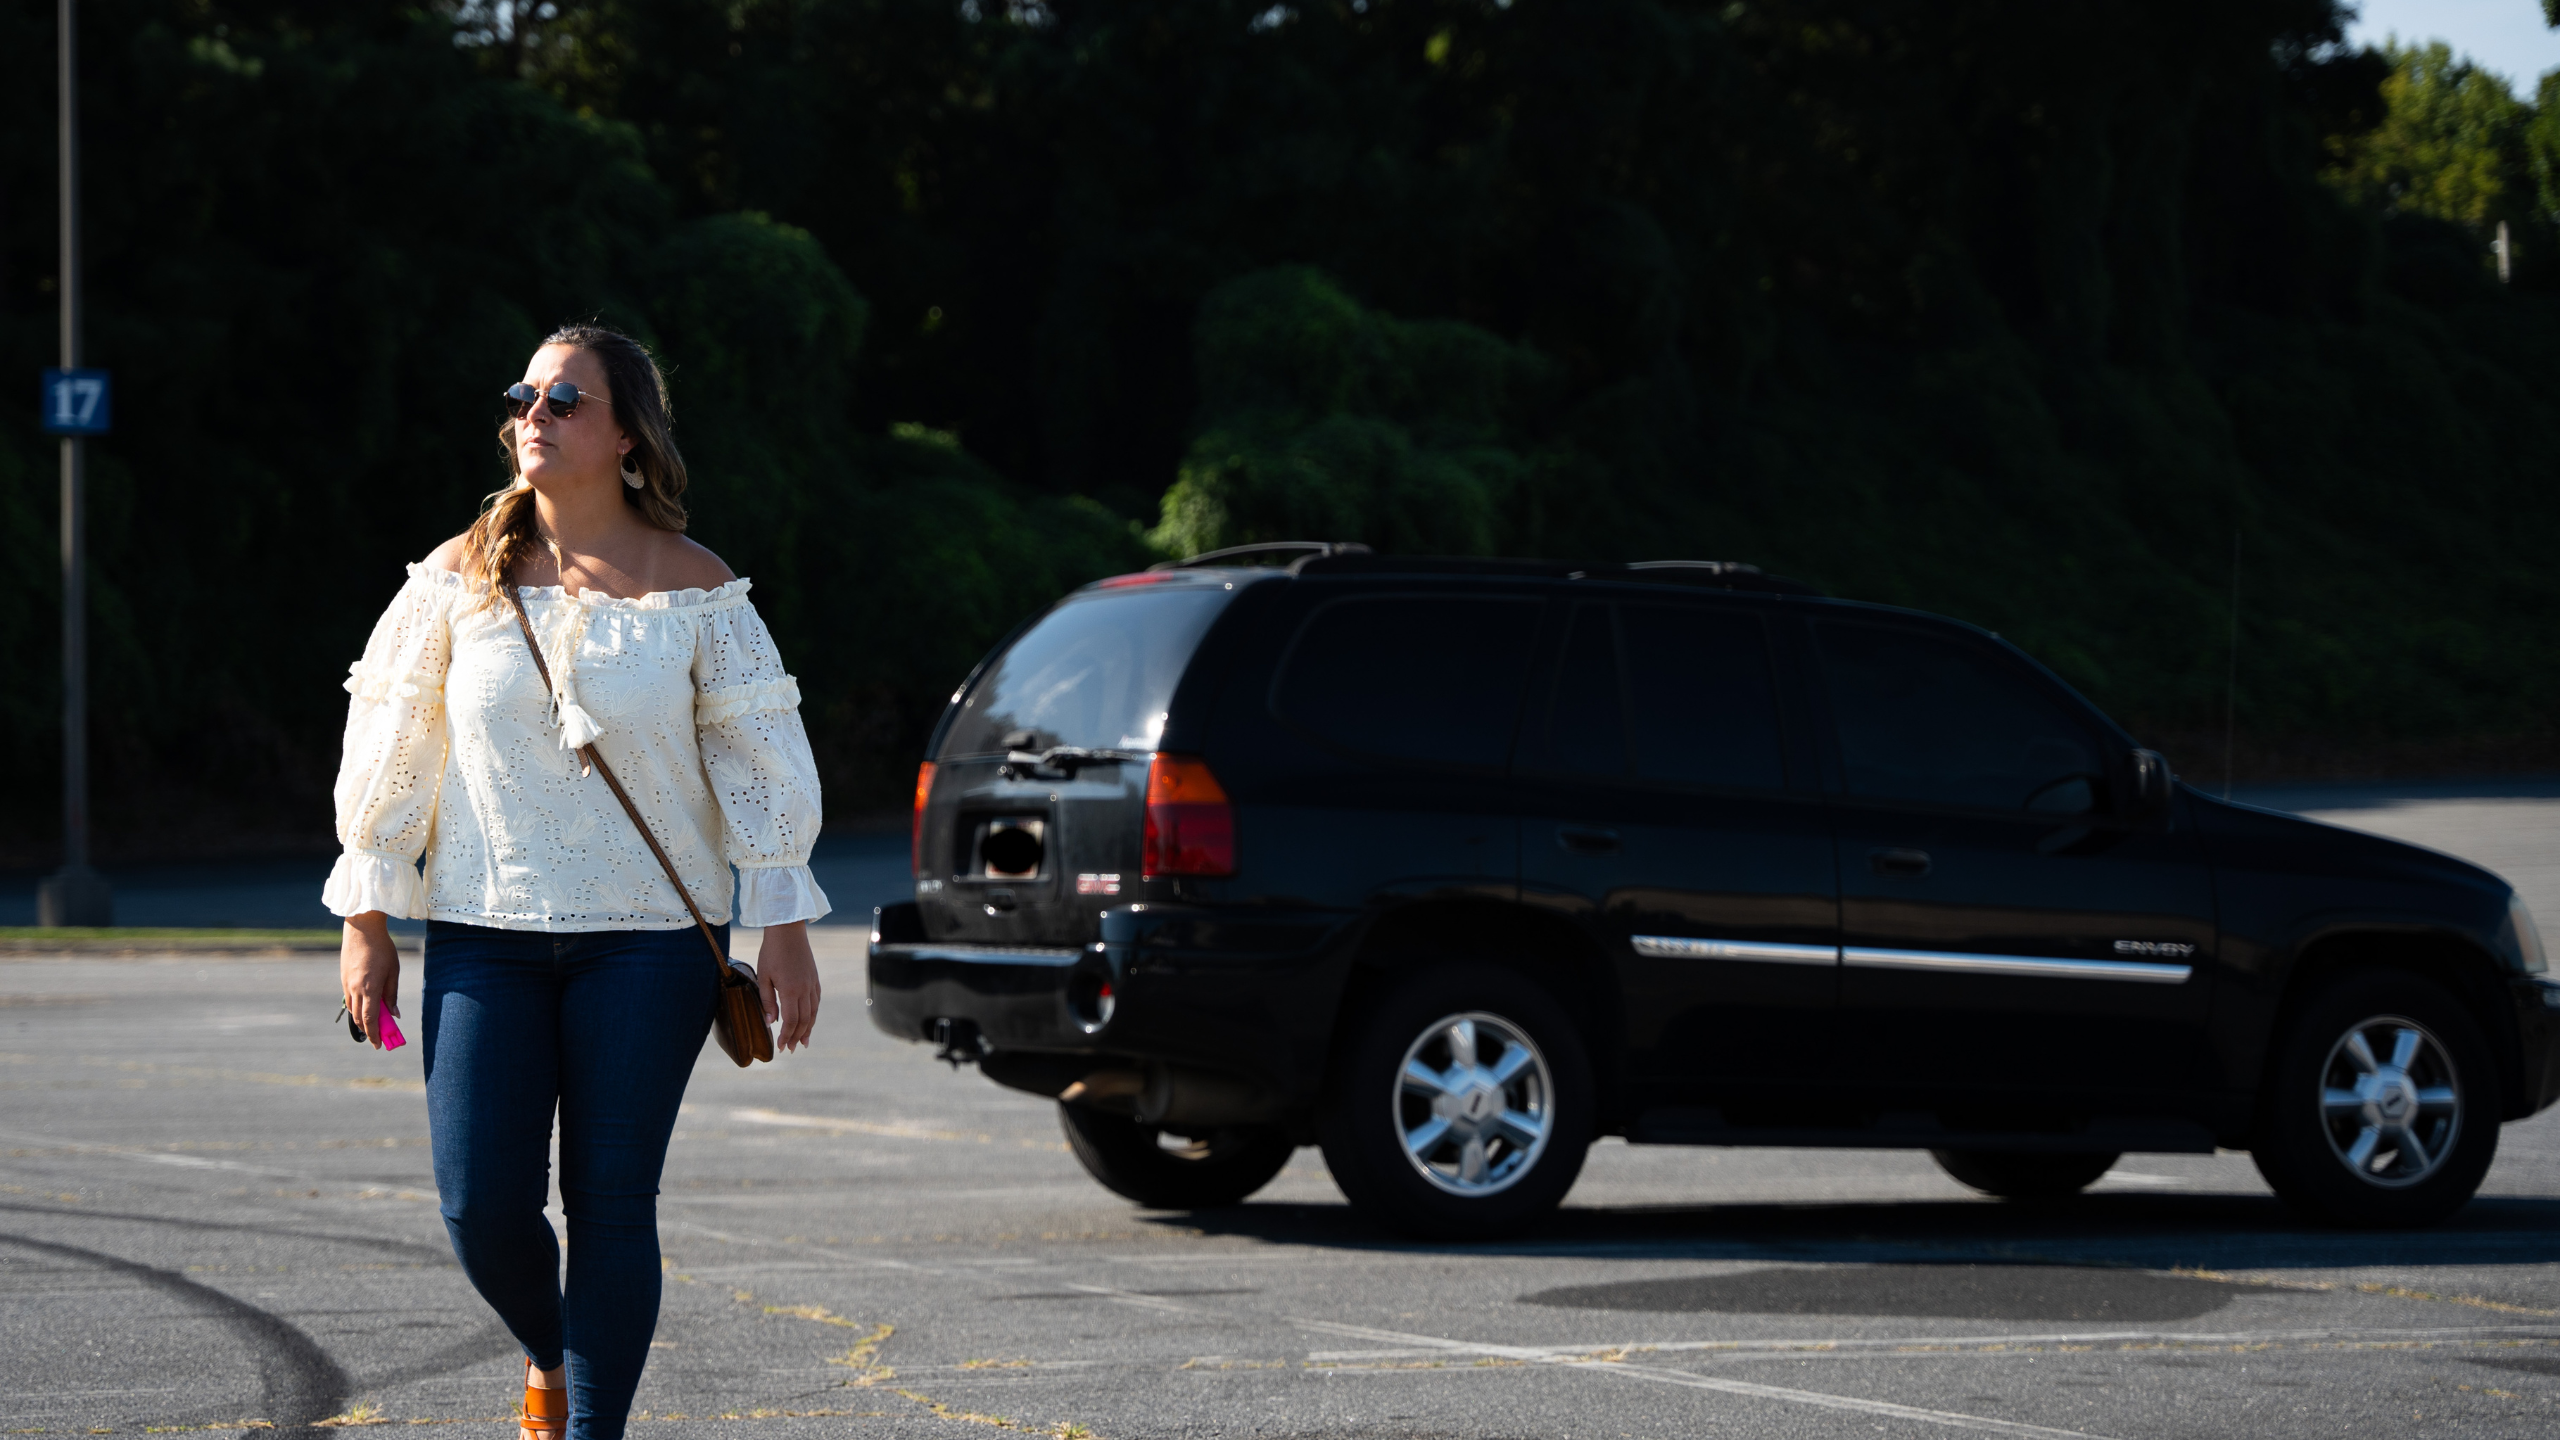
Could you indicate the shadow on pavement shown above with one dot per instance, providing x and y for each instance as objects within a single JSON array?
[
  {"x": 2143, "y": 1232},
  {"x": 2003, "y": 1290}
]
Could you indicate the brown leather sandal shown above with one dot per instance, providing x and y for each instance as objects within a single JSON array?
[{"x": 546, "y": 1412}]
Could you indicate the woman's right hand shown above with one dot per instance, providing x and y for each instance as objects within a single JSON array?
[{"x": 369, "y": 971}]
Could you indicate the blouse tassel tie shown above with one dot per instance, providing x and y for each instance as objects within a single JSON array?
[{"x": 578, "y": 729}]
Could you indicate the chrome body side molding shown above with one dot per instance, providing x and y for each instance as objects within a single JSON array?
[
  {"x": 2039, "y": 966},
  {"x": 1679, "y": 947}
]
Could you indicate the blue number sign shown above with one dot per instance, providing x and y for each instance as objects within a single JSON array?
[{"x": 77, "y": 402}]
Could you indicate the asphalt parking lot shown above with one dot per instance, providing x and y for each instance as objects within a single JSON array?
[{"x": 215, "y": 1210}]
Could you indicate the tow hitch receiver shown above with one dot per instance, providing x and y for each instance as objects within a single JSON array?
[{"x": 957, "y": 1042}]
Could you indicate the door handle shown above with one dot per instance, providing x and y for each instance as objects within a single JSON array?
[
  {"x": 1899, "y": 862},
  {"x": 1588, "y": 840}
]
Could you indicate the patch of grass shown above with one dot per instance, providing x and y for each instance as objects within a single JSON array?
[
  {"x": 819, "y": 1313},
  {"x": 151, "y": 937},
  {"x": 864, "y": 1359}
]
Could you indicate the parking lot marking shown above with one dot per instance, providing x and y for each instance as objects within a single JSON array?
[
  {"x": 1663, "y": 1375},
  {"x": 155, "y": 1157},
  {"x": 2120, "y": 1339},
  {"x": 892, "y": 1130},
  {"x": 1130, "y": 1297},
  {"x": 1950, "y": 1418}
]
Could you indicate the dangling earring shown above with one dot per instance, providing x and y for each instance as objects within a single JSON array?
[{"x": 630, "y": 471}]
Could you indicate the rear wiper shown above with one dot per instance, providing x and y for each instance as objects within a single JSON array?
[{"x": 1063, "y": 759}]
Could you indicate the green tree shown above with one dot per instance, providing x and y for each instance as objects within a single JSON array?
[
  {"x": 2006, "y": 308},
  {"x": 2451, "y": 144},
  {"x": 1322, "y": 418}
]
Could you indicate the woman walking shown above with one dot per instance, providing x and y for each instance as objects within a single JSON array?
[{"x": 563, "y": 971}]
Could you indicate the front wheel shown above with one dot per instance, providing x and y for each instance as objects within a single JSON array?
[
  {"x": 1163, "y": 1171},
  {"x": 2024, "y": 1177},
  {"x": 1460, "y": 1106},
  {"x": 2380, "y": 1108}
]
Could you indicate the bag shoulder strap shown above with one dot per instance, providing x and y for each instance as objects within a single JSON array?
[{"x": 587, "y": 753}]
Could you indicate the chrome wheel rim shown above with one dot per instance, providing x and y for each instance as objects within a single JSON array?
[
  {"x": 2390, "y": 1102},
  {"x": 1472, "y": 1104}
]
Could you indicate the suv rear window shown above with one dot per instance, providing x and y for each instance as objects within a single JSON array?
[
  {"x": 1097, "y": 672},
  {"x": 1431, "y": 678},
  {"x": 1697, "y": 701}
]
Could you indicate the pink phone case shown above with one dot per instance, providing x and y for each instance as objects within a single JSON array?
[{"x": 392, "y": 1039}]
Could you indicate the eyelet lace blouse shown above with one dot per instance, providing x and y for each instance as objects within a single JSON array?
[{"x": 454, "y": 755}]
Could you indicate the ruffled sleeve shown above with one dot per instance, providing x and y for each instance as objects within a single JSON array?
[
  {"x": 747, "y": 713},
  {"x": 393, "y": 759}
]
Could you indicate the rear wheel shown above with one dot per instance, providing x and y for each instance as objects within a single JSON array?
[
  {"x": 1460, "y": 1105},
  {"x": 1165, "y": 1171},
  {"x": 2024, "y": 1177},
  {"x": 2380, "y": 1108}
]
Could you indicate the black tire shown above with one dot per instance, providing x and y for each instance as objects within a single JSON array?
[
  {"x": 1370, "y": 1108},
  {"x": 1169, "y": 1172},
  {"x": 2429, "y": 1155},
  {"x": 2024, "y": 1177}
]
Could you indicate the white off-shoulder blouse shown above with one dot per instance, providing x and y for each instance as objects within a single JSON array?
[{"x": 455, "y": 755}]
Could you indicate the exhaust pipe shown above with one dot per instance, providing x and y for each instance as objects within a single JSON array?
[
  {"x": 1105, "y": 1085},
  {"x": 1173, "y": 1095}
]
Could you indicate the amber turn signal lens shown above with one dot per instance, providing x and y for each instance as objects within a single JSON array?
[
  {"x": 915, "y": 833},
  {"x": 1191, "y": 827}
]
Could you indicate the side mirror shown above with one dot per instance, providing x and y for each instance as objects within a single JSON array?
[
  {"x": 2069, "y": 796},
  {"x": 2154, "y": 789}
]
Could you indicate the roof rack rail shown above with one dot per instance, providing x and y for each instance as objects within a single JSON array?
[
  {"x": 1307, "y": 548},
  {"x": 1711, "y": 567},
  {"x": 1722, "y": 574}
]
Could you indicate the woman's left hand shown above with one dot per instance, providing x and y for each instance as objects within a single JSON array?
[{"x": 788, "y": 975}]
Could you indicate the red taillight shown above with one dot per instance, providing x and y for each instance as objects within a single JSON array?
[
  {"x": 1191, "y": 829},
  {"x": 915, "y": 833}
]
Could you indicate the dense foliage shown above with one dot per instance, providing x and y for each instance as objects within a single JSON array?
[{"x": 2014, "y": 310}]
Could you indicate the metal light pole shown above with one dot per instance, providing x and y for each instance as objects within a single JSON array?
[{"x": 76, "y": 895}]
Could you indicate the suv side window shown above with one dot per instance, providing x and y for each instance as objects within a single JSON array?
[
  {"x": 1932, "y": 719},
  {"x": 1586, "y": 721},
  {"x": 1674, "y": 693},
  {"x": 1429, "y": 678}
]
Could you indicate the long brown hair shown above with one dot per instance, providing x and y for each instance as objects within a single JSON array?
[{"x": 506, "y": 528}]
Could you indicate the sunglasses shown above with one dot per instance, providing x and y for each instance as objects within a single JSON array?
[{"x": 564, "y": 398}]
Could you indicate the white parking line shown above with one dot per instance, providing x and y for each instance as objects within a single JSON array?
[
  {"x": 1131, "y": 1297},
  {"x": 155, "y": 1157},
  {"x": 1564, "y": 1353},
  {"x": 885, "y": 1129},
  {"x": 1830, "y": 1402},
  {"x": 1663, "y": 1376}
]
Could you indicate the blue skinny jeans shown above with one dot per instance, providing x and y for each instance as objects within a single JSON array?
[{"x": 602, "y": 1027}]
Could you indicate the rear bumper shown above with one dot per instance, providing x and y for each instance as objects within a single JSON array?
[
  {"x": 1015, "y": 998},
  {"x": 1254, "y": 1002}
]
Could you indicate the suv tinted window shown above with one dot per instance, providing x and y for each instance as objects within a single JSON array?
[
  {"x": 1935, "y": 719},
  {"x": 1430, "y": 678},
  {"x": 1096, "y": 672},
  {"x": 1703, "y": 711},
  {"x": 1695, "y": 706},
  {"x": 1586, "y": 731}
]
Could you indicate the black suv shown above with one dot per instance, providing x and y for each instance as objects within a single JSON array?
[{"x": 1450, "y": 866}]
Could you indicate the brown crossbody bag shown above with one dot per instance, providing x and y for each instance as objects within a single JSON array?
[{"x": 737, "y": 1020}]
